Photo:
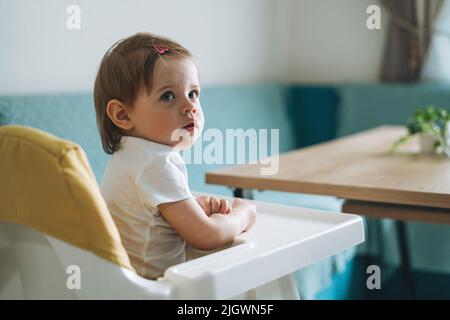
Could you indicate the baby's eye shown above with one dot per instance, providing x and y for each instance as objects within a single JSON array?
[
  {"x": 167, "y": 96},
  {"x": 194, "y": 94}
]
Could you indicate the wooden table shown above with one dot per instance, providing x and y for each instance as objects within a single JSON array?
[{"x": 360, "y": 168}]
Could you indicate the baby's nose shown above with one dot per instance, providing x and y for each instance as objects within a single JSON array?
[{"x": 190, "y": 107}]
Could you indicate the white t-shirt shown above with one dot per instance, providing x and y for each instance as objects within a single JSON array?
[{"x": 139, "y": 177}]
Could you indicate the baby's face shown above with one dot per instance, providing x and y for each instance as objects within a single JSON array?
[{"x": 172, "y": 109}]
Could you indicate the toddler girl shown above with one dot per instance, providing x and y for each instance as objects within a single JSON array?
[{"x": 146, "y": 98}]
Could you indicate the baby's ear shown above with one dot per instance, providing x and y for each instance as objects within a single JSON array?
[{"x": 118, "y": 113}]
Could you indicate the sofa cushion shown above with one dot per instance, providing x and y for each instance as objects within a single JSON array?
[{"x": 366, "y": 106}]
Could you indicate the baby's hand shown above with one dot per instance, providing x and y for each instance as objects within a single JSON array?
[
  {"x": 213, "y": 205},
  {"x": 248, "y": 208}
]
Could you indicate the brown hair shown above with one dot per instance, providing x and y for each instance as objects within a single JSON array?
[{"x": 126, "y": 68}]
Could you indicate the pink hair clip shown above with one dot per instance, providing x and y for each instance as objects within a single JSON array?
[{"x": 160, "y": 49}]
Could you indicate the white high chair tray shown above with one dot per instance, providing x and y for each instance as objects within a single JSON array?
[{"x": 283, "y": 240}]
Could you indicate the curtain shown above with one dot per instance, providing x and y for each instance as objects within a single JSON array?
[{"x": 401, "y": 60}]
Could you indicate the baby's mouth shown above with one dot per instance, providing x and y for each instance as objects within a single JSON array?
[{"x": 190, "y": 126}]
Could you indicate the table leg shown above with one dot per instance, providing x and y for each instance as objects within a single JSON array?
[
  {"x": 243, "y": 193},
  {"x": 402, "y": 238}
]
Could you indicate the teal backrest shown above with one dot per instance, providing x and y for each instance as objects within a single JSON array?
[
  {"x": 365, "y": 106},
  {"x": 313, "y": 110},
  {"x": 72, "y": 117},
  {"x": 304, "y": 114}
]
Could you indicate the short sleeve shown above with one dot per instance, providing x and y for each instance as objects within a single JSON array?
[{"x": 162, "y": 180}]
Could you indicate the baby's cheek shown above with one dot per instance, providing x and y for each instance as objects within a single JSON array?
[{"x": 201, "y": 119}]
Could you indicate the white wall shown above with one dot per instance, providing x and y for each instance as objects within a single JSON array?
[
  {"x": 236, "y": 42},
  {"x": 332, "y": 42}
]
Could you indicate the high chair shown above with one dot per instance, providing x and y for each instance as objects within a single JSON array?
[{"x": 58, "y": 240}]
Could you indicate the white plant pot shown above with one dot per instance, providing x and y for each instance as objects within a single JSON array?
[
  {"x": 447, "y": 140},
  {"x": 426, "y": 142}
]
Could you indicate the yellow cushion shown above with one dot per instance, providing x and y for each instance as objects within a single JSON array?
[{"x": 46, "y": 183}]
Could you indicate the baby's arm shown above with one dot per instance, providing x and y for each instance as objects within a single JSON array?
[{"x": 208, "y": 232}]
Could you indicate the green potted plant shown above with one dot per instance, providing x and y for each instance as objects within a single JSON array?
[{"x": 431, "y": 124}]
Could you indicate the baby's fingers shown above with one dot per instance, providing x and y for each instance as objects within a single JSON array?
[
  {"x": 225, "y": 206},
  {"x": 215, "y": 205}
]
